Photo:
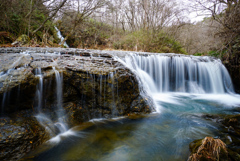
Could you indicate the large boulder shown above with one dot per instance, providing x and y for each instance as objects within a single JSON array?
[
  {"x": 19, "y": 136},
  {"x": 95, "y": 85},
  {"x": 102, "y": 89}
]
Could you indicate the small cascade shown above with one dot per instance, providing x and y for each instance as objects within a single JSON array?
[
  {"x": 59, "y": 80},
  {"x": 197, "y": 75},
  {"x": 39, "y": 92},
  {"x": 114, "y": 109},
  {"x": 61, "y": 37},
  {"x": 6, "y": 95},
  {"x": 53, "y": 127}
]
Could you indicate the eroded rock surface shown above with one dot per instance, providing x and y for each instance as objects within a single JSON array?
[
  {"x": 95, "y": 85},
  {"x": 92, "y": 80},
  {"x": 19, "y": 136}
]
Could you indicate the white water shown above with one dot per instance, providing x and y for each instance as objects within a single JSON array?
[
  {"x": 61, "y": 37},
  {"x": 51, "y": 126},
  {"x": 168, "y": 77},
  {"x": 39, "y": 91},
  {"x": 60, "y": 124}
]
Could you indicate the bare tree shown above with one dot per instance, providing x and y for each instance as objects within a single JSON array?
[
  {"x": 55, "y": 11},
  {"x": 226, "y": 13},
  {"x": 81, "y": 10}
]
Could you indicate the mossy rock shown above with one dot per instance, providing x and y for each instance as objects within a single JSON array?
[
  {"x": 20, "y": 136},
  {"x": 21, "y": 40}
]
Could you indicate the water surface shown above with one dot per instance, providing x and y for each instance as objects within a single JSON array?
[{"x": 158, "y": 136}]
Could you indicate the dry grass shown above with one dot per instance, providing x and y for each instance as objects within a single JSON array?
[{"x": 210, "y": 149}]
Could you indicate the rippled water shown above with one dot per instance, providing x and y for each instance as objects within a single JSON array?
[{"x": 159, "y": 136}]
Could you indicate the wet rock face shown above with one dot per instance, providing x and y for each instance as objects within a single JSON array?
[
  {"x": 94, "y": 85},
  {"x": 107, "y": 91},
  {"x": 94, "y": 82},
  {"x": 19, "y": 136},
  {"x": 17, "y": 82},
  {"x": 234, "y": 72}
]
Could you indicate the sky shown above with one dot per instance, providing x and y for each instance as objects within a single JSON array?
[{"x": 191, "y": 15}]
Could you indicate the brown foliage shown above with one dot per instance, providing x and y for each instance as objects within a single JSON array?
[{"x": 209, "y": 149}]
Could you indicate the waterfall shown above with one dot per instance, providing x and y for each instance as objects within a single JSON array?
[
  {"x": 53, "y": 127},
  {"x": 197, "y": 75},
  {"x": 166, "y": 77},
  {"x": 61, "y": 37},
  {"x": 39, "y": 91},
  {"x": 59, "y": 81}
]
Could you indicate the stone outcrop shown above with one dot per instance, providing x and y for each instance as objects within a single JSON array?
[
  {"x": 94, "y": 85},
  {"x": 234, "y": 72},
  {"x": 92, "y": 80},
  {"x": 20, "y": 135}
]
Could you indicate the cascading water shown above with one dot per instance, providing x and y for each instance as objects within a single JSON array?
[
  {"x": 166, "y": 77},
  {"x": 39, "y": 91},
  {"x": 43, "y": 118},
  {"x": 61, "y": 125},
  {"x": 182, "y": 74},
  {"x": 61, "y": 37}
]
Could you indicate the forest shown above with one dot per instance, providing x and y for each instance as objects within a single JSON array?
[{"x": 137, "y": 25}]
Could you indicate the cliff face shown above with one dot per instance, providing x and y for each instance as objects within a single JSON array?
[{"x": 94, "y": 85}]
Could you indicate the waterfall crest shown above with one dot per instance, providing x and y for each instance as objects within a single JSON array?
[{"x": 197, "y": 75}]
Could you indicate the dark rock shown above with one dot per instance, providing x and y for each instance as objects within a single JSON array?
[
  {"x": 234, "y": 72},
  {"x": 18, "y": 137},
  {"x": 94, "y": 85}
]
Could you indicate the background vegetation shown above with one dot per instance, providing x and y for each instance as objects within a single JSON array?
[{"x": 137, "y": 25}]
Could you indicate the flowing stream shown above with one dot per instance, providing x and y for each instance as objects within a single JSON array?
[{"x": 183, "y": 88}]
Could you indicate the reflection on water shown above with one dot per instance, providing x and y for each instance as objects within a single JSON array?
[{"x": 160, "y": 136}]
